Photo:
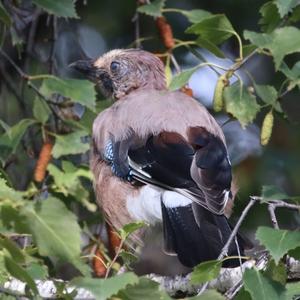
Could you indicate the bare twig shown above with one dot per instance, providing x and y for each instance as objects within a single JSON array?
[
  {"x": 233, "y": 234},
  {"x": 52, "y": 51},
  {"x": 271, "y": 209},
  {"x": 115, "y": 258}
]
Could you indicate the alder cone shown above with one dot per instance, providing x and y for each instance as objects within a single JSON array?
[
  {"x": 165, "y": 31},
  {"x": 43, "y": 161},
  {"x": 99, "y": 266},
  {"x": 114, "y": 240}
]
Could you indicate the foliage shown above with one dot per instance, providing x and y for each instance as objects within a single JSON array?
[{"x": 41, "y": 228}]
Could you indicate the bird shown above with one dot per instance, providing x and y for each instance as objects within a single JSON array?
[{"x": 159, "y": 156}]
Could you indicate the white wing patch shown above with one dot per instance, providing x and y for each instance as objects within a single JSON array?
[
  {"x": 146, "y": 205},
  {"x": 173, "y": 199}
]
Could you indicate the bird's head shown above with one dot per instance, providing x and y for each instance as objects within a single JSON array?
[{"x": 119, "y": 72}]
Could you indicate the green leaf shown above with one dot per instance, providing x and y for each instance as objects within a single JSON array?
[
  {"x": 209, "y": 295},
  {"x": 102, "y": 289},
  {"x": 41, "y": 110},
  {"x": 271, "y": 192},
  {"x": 215, "y": 29},
  {"x": 243, "y": 295},
  {"x": 80, "y": 91},
  {"x": 130, "y": 228},
  {"x": 179, "y": 80},
  {"x": 276, "y": 272},
  {"x": 285, "y": 6},
  {"x": 55, "y": 231},
  {"x": 240, "y": 103},
  {"x": 7, "y": 193},
  {"x": 13, "y": 136},
  {"x": 293, "y": 291},
  {"x": 145, "y": 289},
  {"x": 60, "y": 8},
  {"x": 260, "y": 287},
  {"x": 280, "y": 42},
  {"x": 278, "y": 242},
  {"x": 18, "y": 272},
  {"x": 267, "y": 93},
  {"x": 248, "y": 49},
  {"x": 196, "y": 15},
  {"x": 13, "y": 249},
  {"x": 270, "y": 17},
  {"x": 70, "y": 144},
  {"x": 293, "y": 73},
  {"x": 152, "y": 9},
  {"x": 37, "y": 271},
  {"x": 4, "y": 15},
  {"x": 210, "y": 47},
  {"x": 206, "y": 271}
]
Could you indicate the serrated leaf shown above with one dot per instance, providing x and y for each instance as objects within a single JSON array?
[
  {"x": 293, "y": 73},
  {"x": 210, "y": 47},
  {"x": 41, "y": 110},
  {"x": 240, "y": 103},
  {"x": 270, "y": 17},
  {"x": 196, "y": 15},
  {"x": 60, "y": 8},
  {"x": 127, "y": 229},
  {"x": 55, "y": 231},
  {"x": 261, "y": 287},
  {"x": 152, "y": 9},
  {"x": 278, "y": 242},
  {"x": 4, "y": 15},
  {"x": 271, "y": 192},
  {"x": 206, "y": 271},
  {"x": 70, "y": 144},
  {"x": 215, "y": 29},
  {"x": 280, "y": 42},
  {"x": 13, "y": 249},
  {"x": 179, "y": 80},
  {"x": 209, "y": 295},
  {"x": 145, "y": 289},
  {"x": 243, "y": 295},
  {"x": 8, "y": 193},
  {"x": 79, "y": 91},
  {"x": 285, "y": 6},
  {"x": 37, "y": 271},
  {"x": 248, "y": 49},
  {"x": 102, "y": 289},
  {"x": 18, "y": 272},
  {"x": 267, "y": 93},
  {"x": 13, "y": 136},
  {"x": 276, "y": 272},
  {"x": 292, "y": 291}
]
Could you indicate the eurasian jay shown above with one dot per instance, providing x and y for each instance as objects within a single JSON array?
[{"x": 159, "y": 156}]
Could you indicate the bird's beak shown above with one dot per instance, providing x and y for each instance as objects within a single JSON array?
[{"x": 86, "y": 67}]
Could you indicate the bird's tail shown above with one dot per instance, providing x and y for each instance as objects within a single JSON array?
[{"x": 195, "y": 235}]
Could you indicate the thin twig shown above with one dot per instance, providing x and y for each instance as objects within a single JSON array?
[
  {"x": 115, "y": 258},
  {"x": 271, "y": 209},
  {"x": 52, "y": 51},
  {"x": 136, "y": 21},
  {"x": 175, "y": 63},
  {"x": 233, "y": 234}
]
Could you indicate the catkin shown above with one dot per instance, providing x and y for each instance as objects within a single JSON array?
[
  {"x": 267, "y": 126},
  {"x": 99, "y": 266},
  {"x": 43, "y": 161},
  {"x": 218, "y": 102},
  {"x": 165, "y": 31}
]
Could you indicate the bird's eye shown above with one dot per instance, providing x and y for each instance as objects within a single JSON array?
[{"x": 114, "y": 66}]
